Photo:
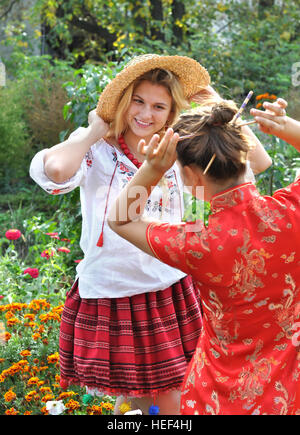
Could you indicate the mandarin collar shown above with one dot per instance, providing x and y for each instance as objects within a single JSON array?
[{"x": 233, "y": 197}]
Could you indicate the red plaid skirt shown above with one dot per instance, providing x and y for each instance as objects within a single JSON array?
[{"x": 134, "y": 346}]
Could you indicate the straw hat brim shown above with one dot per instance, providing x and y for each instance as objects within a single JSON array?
[{"x": 190, "y": 73}]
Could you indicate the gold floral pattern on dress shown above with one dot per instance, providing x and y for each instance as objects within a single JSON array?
[{"x": 247, "y": 359}]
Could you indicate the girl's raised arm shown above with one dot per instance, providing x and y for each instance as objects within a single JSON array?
[{"x": 63, "y": 160}]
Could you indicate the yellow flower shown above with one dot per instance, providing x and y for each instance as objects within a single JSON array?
[{"x": 125, "y": 407}]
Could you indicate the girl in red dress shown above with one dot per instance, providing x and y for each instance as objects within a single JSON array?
[{"x": 246, "y": 261}]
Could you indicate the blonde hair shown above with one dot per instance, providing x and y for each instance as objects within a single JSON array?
[{"x": 156, "y": 76}]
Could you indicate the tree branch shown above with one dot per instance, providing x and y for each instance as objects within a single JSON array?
[{"x": 9, "y": 9}]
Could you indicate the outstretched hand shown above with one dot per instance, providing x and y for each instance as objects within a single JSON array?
[
  {"x": 160, "y": 154},
  {"x": 273, "y": 119}
]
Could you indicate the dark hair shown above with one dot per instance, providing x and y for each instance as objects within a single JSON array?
[{"x": 213, "y": 133}]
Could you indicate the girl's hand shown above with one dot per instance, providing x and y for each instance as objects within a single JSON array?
[
  {"x": 160, "y": 155},
  {"x": 98, "y": 127},
  {"x": 273, "y": 119}
]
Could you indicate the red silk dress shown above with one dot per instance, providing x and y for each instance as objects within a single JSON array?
[{"x": 246, "y": 263}]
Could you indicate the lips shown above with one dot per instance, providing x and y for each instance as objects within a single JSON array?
[{"x": 142, "y": 124}]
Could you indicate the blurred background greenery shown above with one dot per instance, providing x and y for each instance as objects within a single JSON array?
[{"x": 59, "y": 55}]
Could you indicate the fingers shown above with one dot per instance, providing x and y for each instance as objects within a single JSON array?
[
  {"x": 273, "y": 118},
  {"x": 277, "y": 109},
  {"x": 160, "y": 149},
  {"x": 151, "y": 148}
]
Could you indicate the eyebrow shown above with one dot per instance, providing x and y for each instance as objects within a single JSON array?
[{"x": 161, "y": 104}]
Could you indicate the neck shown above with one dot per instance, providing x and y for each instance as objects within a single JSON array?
[{"x": 212, "y": 189}]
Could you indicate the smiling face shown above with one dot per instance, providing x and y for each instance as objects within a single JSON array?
[{"x": 149, "y": 110}]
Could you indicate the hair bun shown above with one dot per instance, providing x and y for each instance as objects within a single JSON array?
[{"x": 222, "y": 113}]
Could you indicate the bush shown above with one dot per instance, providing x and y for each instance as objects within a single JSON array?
[{"x": 26, "y": 128}]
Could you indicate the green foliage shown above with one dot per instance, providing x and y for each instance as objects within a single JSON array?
[
  {"x": 26, "y": 128},
  {"x": 14, "y": 132}
]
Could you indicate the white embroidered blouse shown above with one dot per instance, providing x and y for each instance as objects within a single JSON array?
[{"x": 118, "y": 268}]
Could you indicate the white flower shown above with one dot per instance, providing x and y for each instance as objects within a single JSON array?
[
  {"x": 134, "y": 412},
  {"x": 55, "y": 407}
]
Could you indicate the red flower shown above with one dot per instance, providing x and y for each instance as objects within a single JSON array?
[
  {"x": 13, "y": 234},
  {"x": 77, "y": 261},
  {"x": 53, "y": 235},
  {"x": 32, "y": 271},
  {"x": 47, "y": 254},
  {"x": 63, "y": 249}
]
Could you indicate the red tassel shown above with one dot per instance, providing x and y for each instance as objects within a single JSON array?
[{"x": 100, "y": 240}]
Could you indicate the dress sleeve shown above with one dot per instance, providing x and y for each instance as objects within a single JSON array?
[
  {"x": 167, "y": 242},
  {"x": 290, "y": 195},
  {"x": 38, "y": 174}
]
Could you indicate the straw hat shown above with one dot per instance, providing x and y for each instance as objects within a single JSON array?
[{"x": 190, "y": 73}]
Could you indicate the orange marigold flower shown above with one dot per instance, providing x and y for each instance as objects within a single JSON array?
[
  {"x": 29, "y": 316},
  {"x": 25, "y": 353},
  {"x": 258, "y": 105},
  {"x": 72, "y": 405},
  {"x": 9, "y": 396},
  {"x": 66, "y": 394},
  {"x": 45, "y": 390},
  {"x": 47, "y": 397},
  {"x": 11, "y": 411},
  {"x": 30, "y": 395},
  {"x": 38, "y": 304},
  {"x": 94, "y": 410},
  {"x": 36, "y": 336},
  {"x": 44, "y": 410},
  {"x": 107, "y": 405},
  {"x": 54, "y": 358},
  {"x": 7, "y": 336},
  {"x": 28, "y": 413},
  {"x": 9, "y": 315},
  {"x": 33, "y": 381},
  {"x": 2, "y": 360}
]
